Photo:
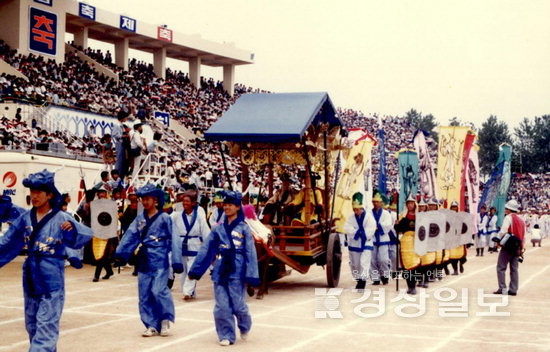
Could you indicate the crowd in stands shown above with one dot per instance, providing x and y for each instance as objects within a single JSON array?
[
  {"x": 531, "y": 191},
  {"x": 139, "y": 93}
]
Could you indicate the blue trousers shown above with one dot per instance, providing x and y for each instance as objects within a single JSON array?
[
  {"x": 231, "y": 304},
  {"x": 42, "y": 315},
  {"x": 155, "y": 299}
]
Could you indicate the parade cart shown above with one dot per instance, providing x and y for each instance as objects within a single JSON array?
[{"x": 295, "y": 133}]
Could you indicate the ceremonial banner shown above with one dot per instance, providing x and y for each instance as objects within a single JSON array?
[
  {"x": 429, "y": 232},
  {"x": 355, "y": 176},
  {"x": 450, "y": 163},
  {"x": 408, "y": 176},
  {"x": 504, "y": 158},
  {"x": 382, "y": 151},
  {"x": 468, "y": 142},
  {"x": 472, "y": 180},
  {"x": 426, "y": 174},
  {"x": 104, "y": 218}
]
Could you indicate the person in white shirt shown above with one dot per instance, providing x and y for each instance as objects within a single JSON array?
[
  {"x": 137, "y": 148},
  {"x": 217, "y": 215},
  {"x": 380, "y": 263},
  {"x": 191, "y": 227},
  {"x": 359, "y": 229}
]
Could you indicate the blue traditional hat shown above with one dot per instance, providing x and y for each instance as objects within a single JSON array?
[
  {"x": 44, "y": 181},
  {"x": 151, "y": 190},
  {"x": 232, "y": 197}
]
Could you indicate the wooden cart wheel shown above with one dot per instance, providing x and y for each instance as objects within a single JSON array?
[{"x": 334, "y": 260}]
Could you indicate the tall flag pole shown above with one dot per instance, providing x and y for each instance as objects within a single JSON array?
[{"x": 382, "y": 178}]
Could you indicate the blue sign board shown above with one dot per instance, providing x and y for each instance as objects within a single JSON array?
[
  {"x": 127, "y": 23},
  {"x": 86, "y": 11},
  {"x": 163, "y": 117},
  {"x": 43, "y": 31}
]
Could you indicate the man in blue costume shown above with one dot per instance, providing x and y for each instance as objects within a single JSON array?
[
  {"x": 231, "y": 247},
  {"x": 360, "y": 228},
  {"x": 48, "y": 234},
  {"x": 380, "y": 266},
  {"x": 152, "y": 231}
]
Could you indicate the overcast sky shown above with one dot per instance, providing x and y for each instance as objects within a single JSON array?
[{"x": 468, "y": 59}]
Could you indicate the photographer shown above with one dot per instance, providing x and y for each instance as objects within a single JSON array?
[{"x": 510, "y": 238}]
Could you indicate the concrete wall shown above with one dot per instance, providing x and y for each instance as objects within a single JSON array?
[
  {"x": 9, "y": 22},
  {"x": 10, "y": 70}
]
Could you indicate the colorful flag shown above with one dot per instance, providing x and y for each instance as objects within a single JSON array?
[
  {"x": 408, "y": 176},
  {"x": 426, "y": 174},
  {"x": 468, "y": 142},
  {"x": 355, "y": 175},
  {"x": 496, "y": 189},
  {"x": 449, "y": 162},
  {"x": 473, "y": 180},
  {"x": 505, "y": 157}
]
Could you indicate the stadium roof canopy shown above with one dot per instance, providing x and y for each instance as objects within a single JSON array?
[
  {"x": 182, "y": 47},
  {"x": 273, "y": 118}
]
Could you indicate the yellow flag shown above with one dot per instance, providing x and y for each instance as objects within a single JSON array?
[
  {"x": 449, "y": 162},
  {"x": 352, "y": 179}
]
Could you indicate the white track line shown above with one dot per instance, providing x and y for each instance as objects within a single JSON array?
[{"x": 459, "y": 332}]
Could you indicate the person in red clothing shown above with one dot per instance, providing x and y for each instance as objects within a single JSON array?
[{"x": 511, "y": 239}]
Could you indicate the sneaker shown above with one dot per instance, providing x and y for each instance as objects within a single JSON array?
[
  {"x": 225, "y": 342},
  {"x": 165, "y": 325},
  {"x": 244, "y": 335},
  {"x": 150, "y": 332},
  {"x": 188, "y": 297}
]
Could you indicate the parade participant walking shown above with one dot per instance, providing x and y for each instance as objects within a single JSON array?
[
  {"x": 380, "y": 262},
  {"x": 152, "y": 232},
  {"x": 103, "y": 249},
  {"x": 492, "y": 229},
  {"x": 457, "y": 254},
  {"x": 481, "y": 238},
  {"x": 191, "y": 228},
  {"x": 47, "y": 233},
  {"x": 410, "y": 260},
  {"x": 217, "y": 215},
  {"x": 360, "y": 228},
  {"x": 231, "y": 247},
  {"x": 511, "y": 238}
]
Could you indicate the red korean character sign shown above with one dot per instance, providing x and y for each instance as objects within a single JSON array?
[{"x": 43, "y": 31}]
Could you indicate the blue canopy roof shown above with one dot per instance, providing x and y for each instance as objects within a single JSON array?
[{"x": 273, "y": 118}]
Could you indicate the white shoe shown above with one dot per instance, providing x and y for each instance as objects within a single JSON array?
[
  {"x": 244, "y": 335},
  {"x": 225, "y": 342},
  {"x": 165, "y": 325},
  {"x": 150, "y": 332}
]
